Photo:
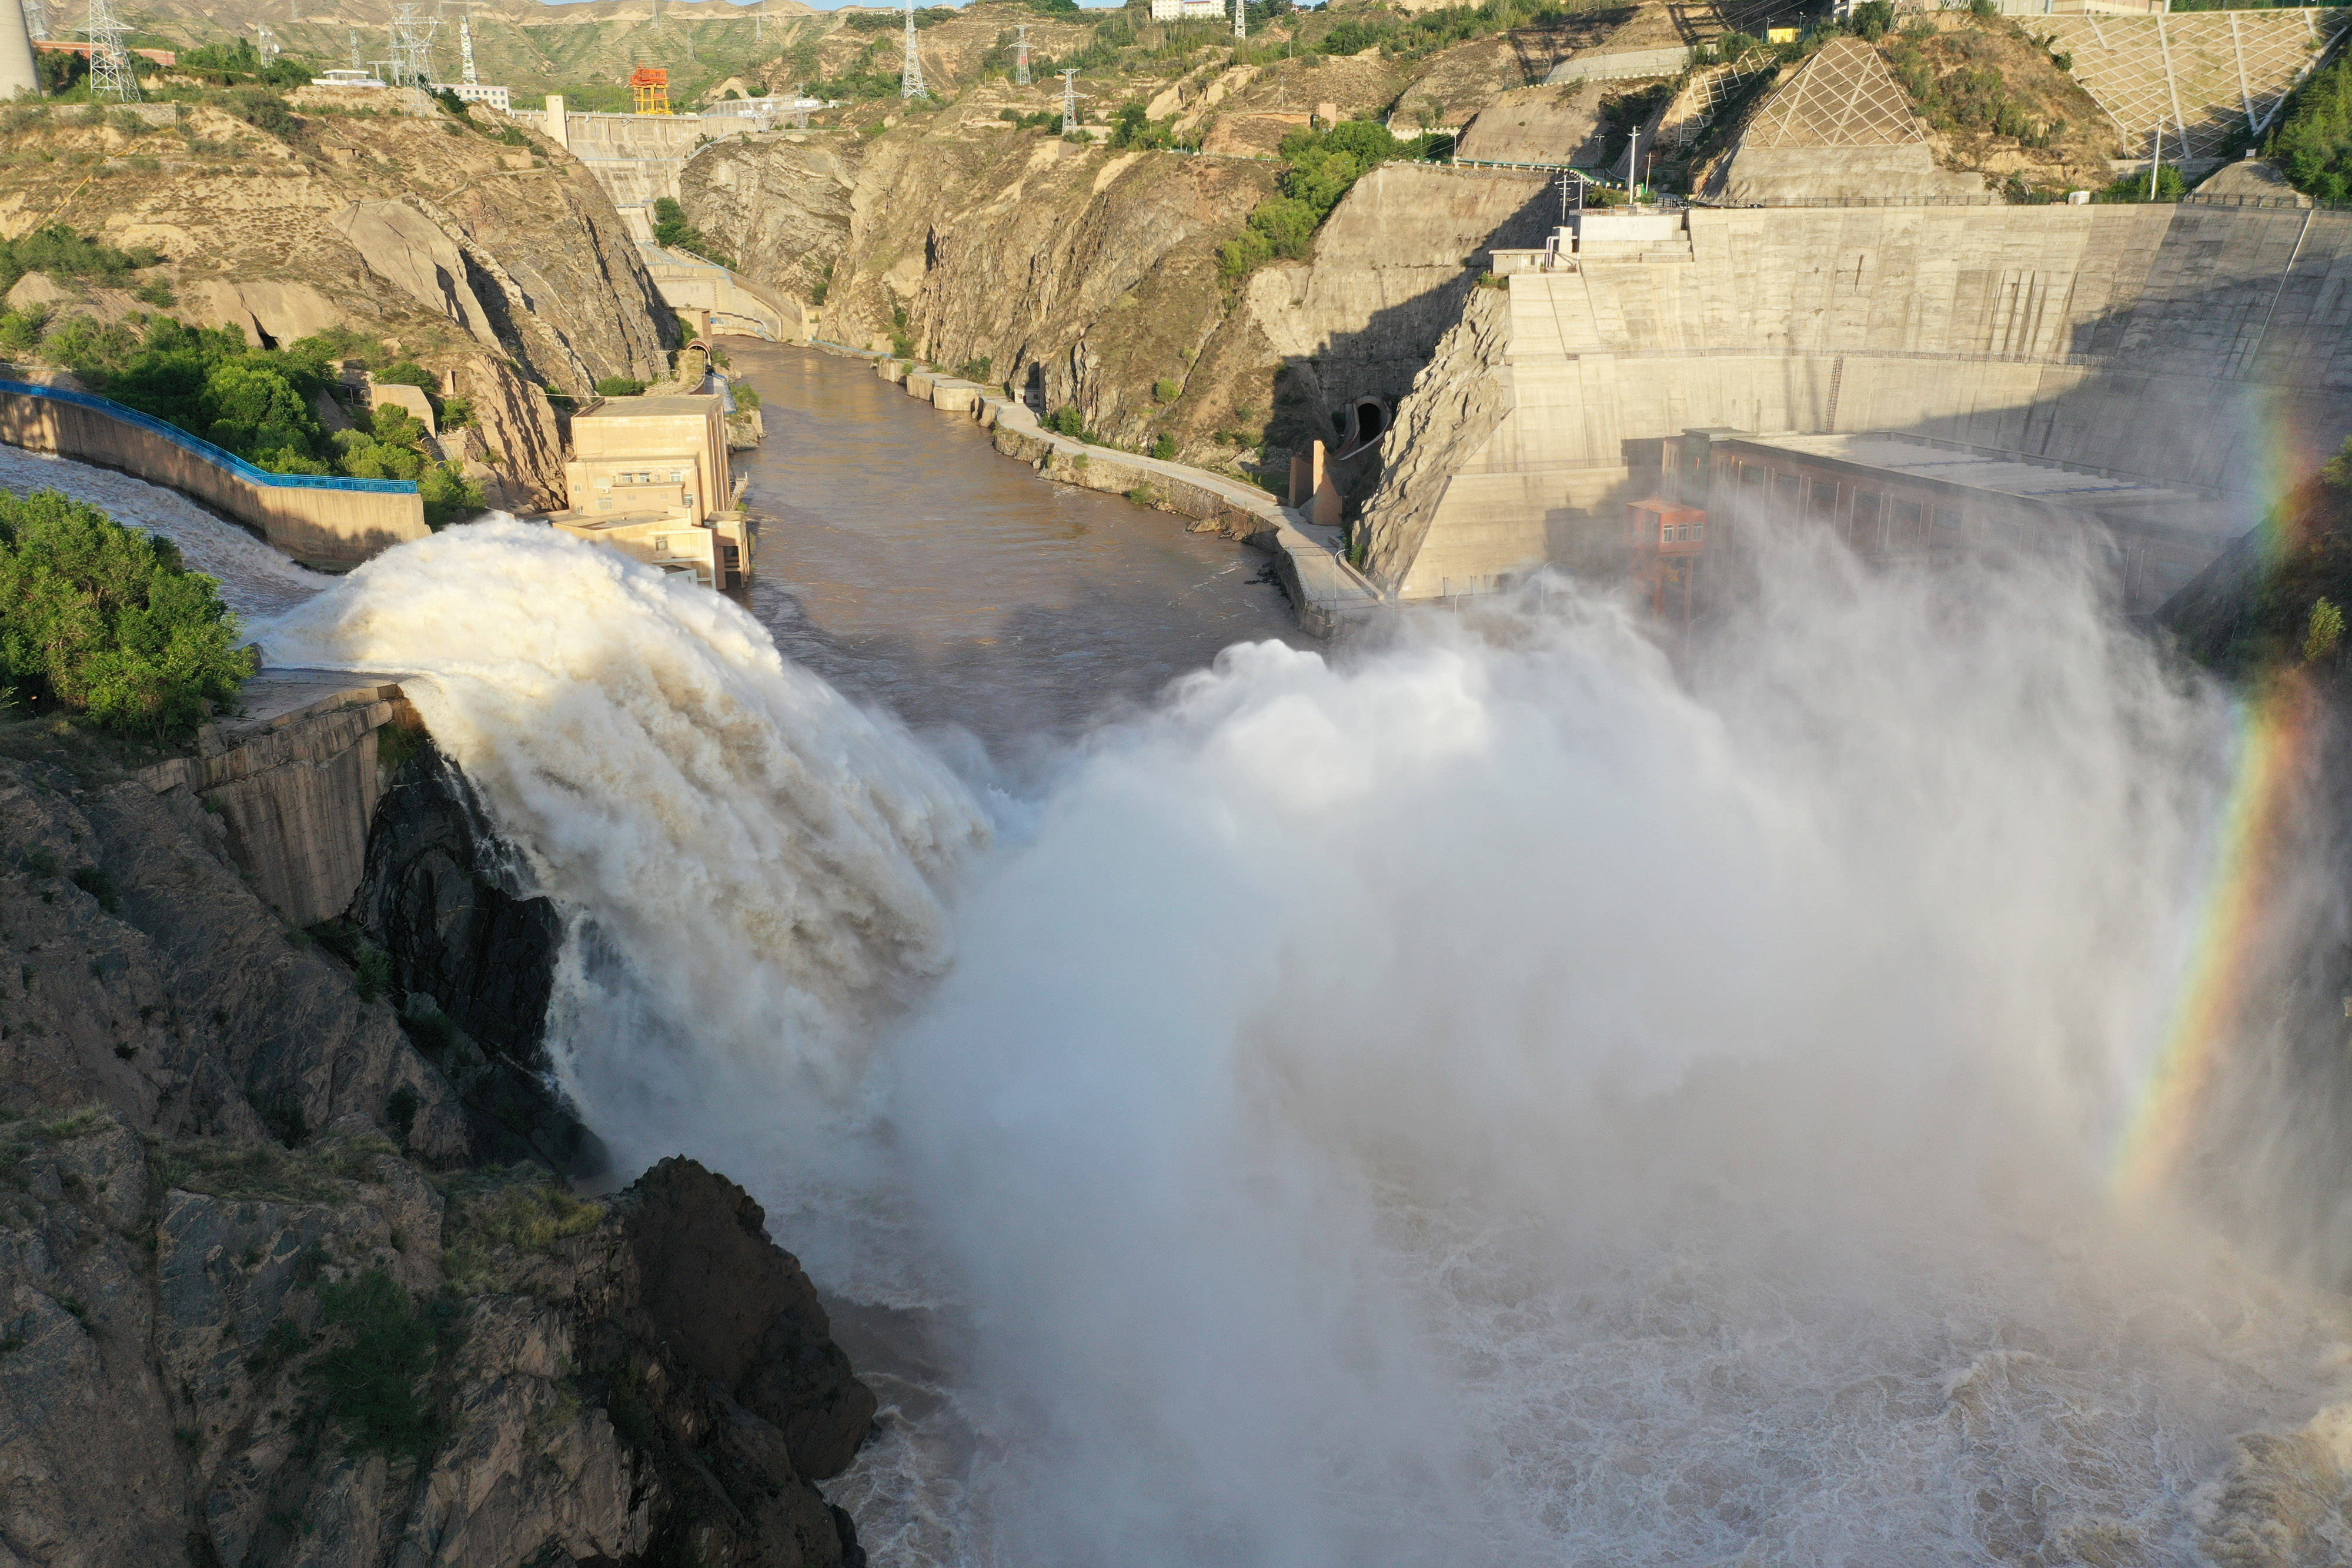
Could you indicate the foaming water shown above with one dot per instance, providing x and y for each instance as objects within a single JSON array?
[
  {"x": 255, "y": 580},
  {"x": 1506, "y": 1098}
]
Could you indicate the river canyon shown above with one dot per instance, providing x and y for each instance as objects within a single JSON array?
[{"x": 1511, "y": 1091}]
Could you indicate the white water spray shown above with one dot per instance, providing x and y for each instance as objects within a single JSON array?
[{"x": 1503, "y": 1101}]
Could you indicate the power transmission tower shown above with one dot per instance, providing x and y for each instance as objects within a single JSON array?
[
  {"x": 910, "y": 77},
  {"x": 263, "y": 44},
  {"x": 1069, "y": 101},
  {"x": 354, "y": 34},
  {"x": 1020, "y": 55},
  {"x": 412, "y": 56},
  {"x": 1241, "y": 26},
  {"x": 465, "y": 44},
  {"x": 800, "y": 104},
  {"x": 759, "y": 23},
  {"x": 111, "y": 75}
]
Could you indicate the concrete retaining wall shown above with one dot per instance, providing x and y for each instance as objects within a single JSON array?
[
  {"x": 325, "y": 522},
  {"x": 2204, "y": 347},
  {"x": 296, "y": 782}
]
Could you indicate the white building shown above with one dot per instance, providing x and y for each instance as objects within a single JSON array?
[
  {"x": 346, "y": 78},
  {"x": 1187, "y": 10},
  {"x": 498, "y": 98}
]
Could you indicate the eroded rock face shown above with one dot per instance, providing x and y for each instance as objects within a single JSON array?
[
  {"x": 201, "y": 1174},
  {"x": 1091, "y": 278}
]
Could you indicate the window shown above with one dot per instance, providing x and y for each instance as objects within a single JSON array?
[
  {"x": 1863, "y": 532},
  {"x": 1825, "y": 498},
  {"x": 1750, "y": 474},
  {"x": 1698, "y": 532},
  {"x": 1910, "y": 524},
  {"x": 1784, "y": 490}
]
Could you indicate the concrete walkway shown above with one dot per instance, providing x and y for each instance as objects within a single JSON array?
[{"x": 1323, "y": 588}]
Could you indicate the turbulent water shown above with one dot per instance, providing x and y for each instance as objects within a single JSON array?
[
  {"x": 255, "y": 579},
  {"x": 1508, "y": 1097}
]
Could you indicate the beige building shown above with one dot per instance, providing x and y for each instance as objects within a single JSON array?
[{"x": 649, "y": 475}]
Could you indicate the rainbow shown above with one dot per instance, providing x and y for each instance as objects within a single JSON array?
[{"x": 2273, "y": 745}]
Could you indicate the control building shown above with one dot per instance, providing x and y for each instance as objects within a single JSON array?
[{"x": 649, "y": 475}]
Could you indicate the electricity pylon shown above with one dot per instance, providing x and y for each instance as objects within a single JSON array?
[
  {"x": 1069, "y": 101},
  {"x": 111, "y": 75},
  {"x": 910, "y": 77},
  {"x": 1241, "y": 27},
  {"x": 1020, "y": 55}
]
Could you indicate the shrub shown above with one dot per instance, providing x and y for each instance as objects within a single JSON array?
[
  {"x": 370, "y": 974},
  {"x": 408, "y": 373},
  {"x": 2323, "y": 632},
  {"x": 58, "y": 251},
  {"x": 448, "y": 495},
  {"x": 747, "y": 398},
  {"x": 263, "y": 110},
  {"x": 99, "y": 620},
  {"x": 456, "y": 412},
  {"x": 977, "y": 369},
  {"x": 619, "y": 386},
  {"x": 1165, "y": 391},
  {"x": 370, "y": 1378},
  {"x": 2313, "y": 147},
  {"x": 1164, "y": 447}
]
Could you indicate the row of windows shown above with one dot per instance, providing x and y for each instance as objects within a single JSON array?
[
  {"x": 1875, "y": 518},
  {"x": 650, "y": 477},
  {"x": 1682, "y": 533}
]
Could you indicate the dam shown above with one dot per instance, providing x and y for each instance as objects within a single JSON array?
[{"x": 2198, "y": 347}]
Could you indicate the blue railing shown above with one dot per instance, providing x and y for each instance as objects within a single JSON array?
[{"x": 205, "y": 449}]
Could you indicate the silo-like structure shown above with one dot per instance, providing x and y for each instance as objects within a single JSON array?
[{"x": 17, "y": 73}]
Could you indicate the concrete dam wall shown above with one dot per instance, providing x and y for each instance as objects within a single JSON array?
[
  {"x": 2205, "y": 347},
  {"x": 320, "y": 521}
]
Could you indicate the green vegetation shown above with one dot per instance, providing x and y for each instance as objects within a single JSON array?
[
  {"x": 498, "y": 1220},
  {"x": 1955, "y": 82},
  {"x": 1164, "y": 447},
  {"x": 619, "y": 386},
  {"x": 2170, "y": 187},
  {"x": 671, "y": 229},
  {"x": 2323, "y": 630},
  {"x": 259, "y": 403},
  {"x": 369, "y": 1376},
  {"x": 236, "y": 60},
  {"x": 99, "y": 621},
  {"x": 2313, "y": 147},
  {"x": 1324, "y": 165},
  {"x": 58, "y": 251}
]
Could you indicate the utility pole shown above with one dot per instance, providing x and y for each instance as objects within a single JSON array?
[
  {"x": 111, "y": 75},
  {"x": 2156, "y": 151},
  {"x": 1021, "y": 55},
  {"x": 1069, "y": 101},
  {"x": 911, "y": 75}
]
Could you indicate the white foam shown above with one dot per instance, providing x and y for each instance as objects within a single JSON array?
[{"x": 1506, "y": 1099}]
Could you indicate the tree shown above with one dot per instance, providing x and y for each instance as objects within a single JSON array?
[
  {"x": 99, "y": 620},
  {"x": 2314, "y": 148}
]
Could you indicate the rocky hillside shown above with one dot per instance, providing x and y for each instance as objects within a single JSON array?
[
  {"x": 485, "y": 253},
  {"x": 1089, "y": 279},
  {"x": 259, "y": 1305}
]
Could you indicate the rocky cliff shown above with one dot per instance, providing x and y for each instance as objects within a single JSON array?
[
  {"x": 498, "y": 263},
  {"x": 1088, "y": 278},
  {"x": 258, "y": 1303}
]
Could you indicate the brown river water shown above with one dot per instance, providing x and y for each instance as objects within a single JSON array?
[{"x": 903, "y": 560}]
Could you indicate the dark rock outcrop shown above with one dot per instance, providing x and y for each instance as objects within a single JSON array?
[
  {"x": 240, "y": 1326},
  {"x": 484, "y": 954},
  {"x": 472, "y": 962}
]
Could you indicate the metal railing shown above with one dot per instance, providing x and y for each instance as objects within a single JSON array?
[{"x": 218, "y": 456}]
